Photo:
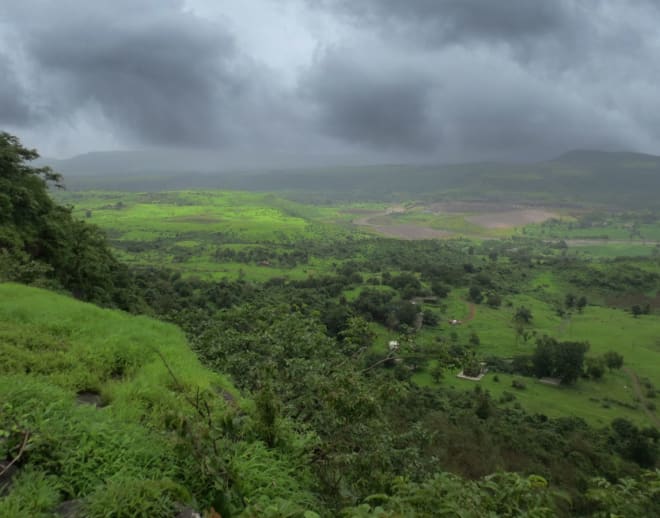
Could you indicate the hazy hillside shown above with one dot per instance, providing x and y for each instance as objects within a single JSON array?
[
  {"x": 579, "y": 176},
  {"x": 168, "y": 162}
]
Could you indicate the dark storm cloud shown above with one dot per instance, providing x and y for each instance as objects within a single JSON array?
[
  {"x": 446, "y": 79},
  {"x": 163, "y": 76},
  {"x": 14, "y": 108},
  {"x": 480, "y": 78},
  {"x": 440, "y": 21},
  {"x": 375, "y": 105},
  {"x": 463, "y": 106}
]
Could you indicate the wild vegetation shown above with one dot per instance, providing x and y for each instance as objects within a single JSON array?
[{"x": 285, "y": 363}]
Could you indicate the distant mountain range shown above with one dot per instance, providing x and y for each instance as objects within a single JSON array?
[
  {"x": 166, "y": 161},
  {"x": 578, "y": 176}
]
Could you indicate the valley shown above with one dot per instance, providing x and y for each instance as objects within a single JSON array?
[{"x": 263, "y": 237}]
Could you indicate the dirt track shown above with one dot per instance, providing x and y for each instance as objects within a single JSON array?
[
  {"x": 472, "y": 312},
  {"x": 638, "y": 392}
]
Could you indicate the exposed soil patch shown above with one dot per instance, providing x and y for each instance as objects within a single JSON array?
[
  {"x": 457, "y": 207},
  {"x": 511, "y": 218},
  {"x": 410, "y": 232},
  {"x": 201, "y": 219},
  {"x": 640, "y": 394},
  {"x": 89, "y": 397},
  {"x": 627, "y": 301},
  {"x": 357, "y": 212},
  {"x": 472, "y": 312},
  {"x": 399, "y": 231},
  {"x": 488, "y": 216}
]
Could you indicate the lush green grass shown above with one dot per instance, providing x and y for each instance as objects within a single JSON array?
[
  {"x": 631, "y": 227},
  {"x": 52, "y": 348},
  {"x": 142, "y": 217},
  {"x": 606, "y": 329},
  {"x": 185, "y": 229},
  {"x": 597, "y": 402},
  {"x": 79, "y": 346}
]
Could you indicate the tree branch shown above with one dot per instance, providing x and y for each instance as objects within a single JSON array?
[{"x": 26, "y": 436}]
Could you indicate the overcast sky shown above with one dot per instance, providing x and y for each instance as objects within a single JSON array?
[{"x": 398, "y": 79}]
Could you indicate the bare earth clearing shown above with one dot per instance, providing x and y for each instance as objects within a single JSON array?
[
  {"x": 401, "y": 231},
  {"x": 511, "y": 218},
  {"x": 489, "y": 216}
]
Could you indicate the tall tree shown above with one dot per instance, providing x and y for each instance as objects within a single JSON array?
[{"x": 39, "y": 238}]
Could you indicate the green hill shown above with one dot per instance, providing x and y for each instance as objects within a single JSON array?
[{"x": 90, "y": 393}]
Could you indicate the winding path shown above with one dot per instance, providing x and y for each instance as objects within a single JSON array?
[
  {"x": 638, "y": 392},
  {"x": 472, "y": 312}
]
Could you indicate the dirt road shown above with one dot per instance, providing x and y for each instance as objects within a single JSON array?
[
  {"x": 637, "y": 387},
  {"x": 472, "y": 312}
]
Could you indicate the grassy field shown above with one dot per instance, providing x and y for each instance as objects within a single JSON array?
[
  {"x": 606, "y": 329},
  {"x": 185, "y": 230}
]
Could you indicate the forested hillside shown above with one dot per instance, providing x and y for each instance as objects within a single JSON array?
[
  {"x": 331, "y": 392},
  {"x": 40, "y": 240}
]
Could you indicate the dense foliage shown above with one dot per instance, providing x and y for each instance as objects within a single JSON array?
[{"x": 40, "y": 239}]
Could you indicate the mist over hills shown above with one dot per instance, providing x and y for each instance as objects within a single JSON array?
[
  {"x": 577, "y": 176},
  {"x": 168, "y": 161}
]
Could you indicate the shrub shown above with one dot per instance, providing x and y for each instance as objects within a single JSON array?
[
  {"x": 127, "y": 497},
  {"x": 507, "y": 397}
]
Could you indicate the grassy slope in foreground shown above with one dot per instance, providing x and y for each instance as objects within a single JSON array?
[{"x": 122, "y": 455}]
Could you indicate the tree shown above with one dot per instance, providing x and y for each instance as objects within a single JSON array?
[
  {"x": 440, "y": 289},
  {"x": 357, "y": 335},
  {"x": 494, "y": 300},
  {"x": 523, "y": 316},
  {"x": 581, "y": 303},
  {"x": 430, "y": 319},
  {"x": 613, "y": 360},
  {"x": 563, "y": 360},
  {"x": 471, "y": 367},
  {"x": 569, "y": 301},
  {"x": 36, "y": 230},
  {"x": 595, "y": 368},
  {"x": 437, "y": 372},
  {"x": 634, "y": 444},
  {"x": 475, "y": 295}
]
